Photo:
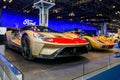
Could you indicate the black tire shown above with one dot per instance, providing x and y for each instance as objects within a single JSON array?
[
  {"x": 90, "y": 46},
  {"x": 26, "y": 50}
]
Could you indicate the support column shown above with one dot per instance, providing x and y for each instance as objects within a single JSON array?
[
  {"x": 103, "y": 28},
  {"x": 44, "y": 6}
]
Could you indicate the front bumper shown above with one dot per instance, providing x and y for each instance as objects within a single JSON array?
[
  {"x": 103, "y": 46},
  {"x": 66, "y": 52},
  {"x": 107, "y": 46},
  {"x": 52, "y": 50}
]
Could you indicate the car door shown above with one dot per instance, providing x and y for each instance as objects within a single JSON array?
[{"x": 15, "y": 38}]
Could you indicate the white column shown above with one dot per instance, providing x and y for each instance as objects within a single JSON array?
[
  {"x": 103, "y": 28},
  {"x": 43, "y": 7}
]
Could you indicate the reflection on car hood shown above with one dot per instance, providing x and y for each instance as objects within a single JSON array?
[
  {"x": 100, "y": 38},
  {"x": 59, "y": 35}
]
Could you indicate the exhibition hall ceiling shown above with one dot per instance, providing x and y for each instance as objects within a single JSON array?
[{"x": 90, "y": 11}]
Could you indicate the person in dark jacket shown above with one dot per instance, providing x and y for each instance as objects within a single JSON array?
[{"x": 119, "y": 41}]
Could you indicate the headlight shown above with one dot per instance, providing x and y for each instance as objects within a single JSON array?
[
  {"x": 80, "y": 36},
  {"x": 36, "y": 35},
  {"x": 40, "y": 36}
]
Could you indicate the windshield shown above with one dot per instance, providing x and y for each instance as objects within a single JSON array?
[{"x": 38, "y": 29}]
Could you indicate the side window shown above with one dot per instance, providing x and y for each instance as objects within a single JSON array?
[
  {"x": 15, "y": 34},
  {"x": 45, "y": 30}
]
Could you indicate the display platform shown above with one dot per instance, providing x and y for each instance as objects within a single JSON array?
[{"x": 57, "y": 69}]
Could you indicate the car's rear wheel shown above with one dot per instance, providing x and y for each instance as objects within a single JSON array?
[{"x": 26, "y": 50}]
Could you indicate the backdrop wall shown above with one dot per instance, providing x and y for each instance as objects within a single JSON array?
[{"x": 15, "y": 19}]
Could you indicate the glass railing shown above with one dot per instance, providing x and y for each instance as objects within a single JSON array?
[
  {"x": 8, "y": 71},
  {"x": 52, "y": 1},
  {"x": 94, "y": 66}
]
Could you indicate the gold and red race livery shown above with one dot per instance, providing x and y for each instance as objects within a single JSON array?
[
  {"x": 96, "y": 42},
  {"x": 43, "y": 42},
  {"x": 100, "y": 42}
]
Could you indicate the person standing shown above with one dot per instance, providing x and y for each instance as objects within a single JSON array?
[{"x": 119, "y": 41}]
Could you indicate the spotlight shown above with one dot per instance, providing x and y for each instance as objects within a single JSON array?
[
  {"x": 71, "y": 19},
  {"x": 59, "y": 17},
  {"x": 55, "y": 11},
  {"x": 51, "y": 1},
  {"x": 116, "y": 13},
  {"x": 28, "y": 11},
  {"x": 4, "y": 0},
  {"x": 25, "y": 11},
  {"x": 4, "y": 7},
  {"x": 114, "y": 20},
  {"x": 10, "y": 1},
  {"x": 32, "y": 6},
  {"x": 72, "y": 14},
  {"x": 113, "y": 6}
]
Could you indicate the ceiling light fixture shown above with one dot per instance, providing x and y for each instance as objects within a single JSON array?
[
  {"x": 116, "y": 13},
  {"x": 4, "y": 7},
  {"x": 100, "y": 0},
  {"x": 10, "y": 1},
  {"x": 25, "y": 11},
  {"x": 72, "y": 14},
  {"x": 113, "y": 6},
  {"x": 59, "y": 17},
  {"x": 4, "y": 0},
  {"x": 99, "y": 14},
  {"x": 114, "y": 20},
  {"x": 32, "y": 6},
  {"x": 55, "y": 11},
  {"x": 71, "y": 19},
  {"x": 28, "y": 11}
]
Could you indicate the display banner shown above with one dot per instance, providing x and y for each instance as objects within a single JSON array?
[
  {"x": 29, "y": 22},
  {"x": 17, "y": 19}
]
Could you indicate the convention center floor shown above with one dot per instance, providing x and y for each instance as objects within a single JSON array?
[{"x": 67, "y": 68}]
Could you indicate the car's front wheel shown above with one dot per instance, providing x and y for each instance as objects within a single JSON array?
[
  {"x": 89, "y": 46},
  {"x": 26, "y": 49}
]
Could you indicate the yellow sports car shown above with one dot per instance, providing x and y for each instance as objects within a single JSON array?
[
  {"x": 43, "y": 42},
  {"x": 100, "y": 42},
  {"x": 115, "y": 37}
]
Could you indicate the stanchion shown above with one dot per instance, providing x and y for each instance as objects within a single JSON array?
[
  {"x": 109, "y": 62},
  {"x": 83, "y": 71},
  {"x": 8, "y": 71}
]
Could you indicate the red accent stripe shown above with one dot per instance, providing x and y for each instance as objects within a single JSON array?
[{"x": 67, "y": 41}]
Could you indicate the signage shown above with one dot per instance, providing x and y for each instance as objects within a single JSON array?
[
  {"x": 29, "y": 22},
  {"x": 2, "y": 30}
]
